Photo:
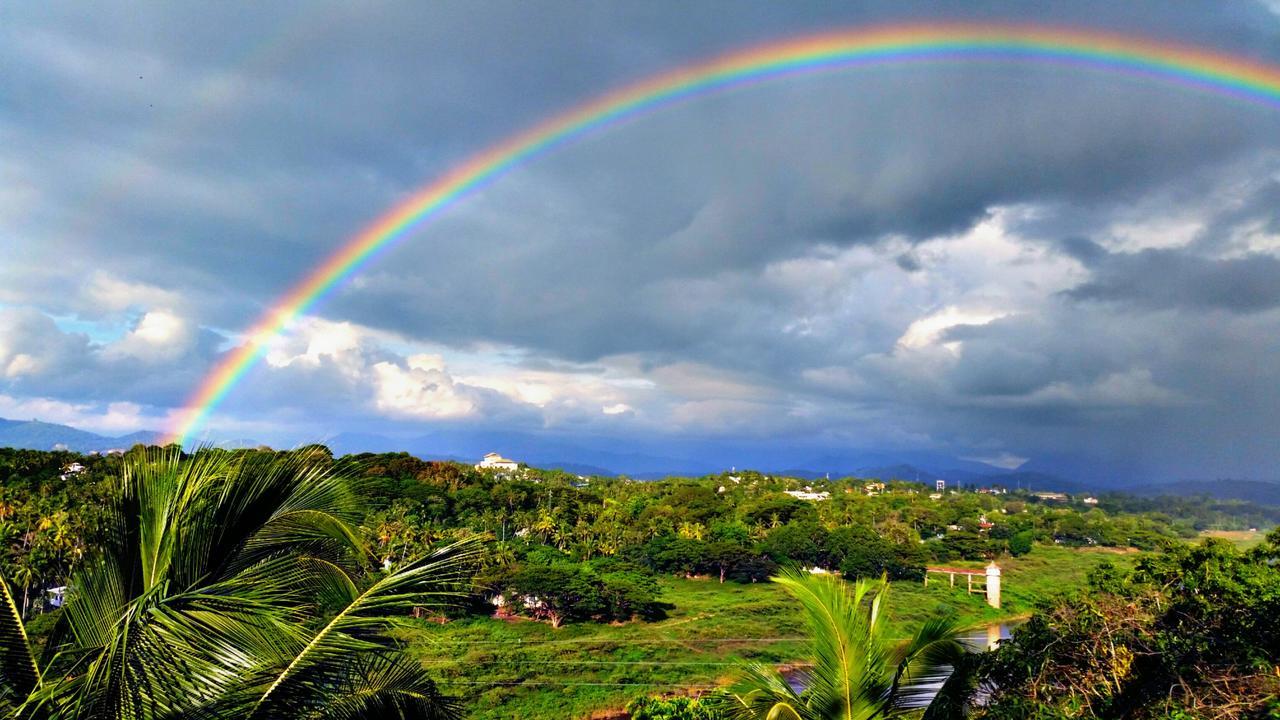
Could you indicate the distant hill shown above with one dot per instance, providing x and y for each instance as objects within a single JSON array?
[
  {"x": 36, "y": 435},
  {"x": 600, "y": 456},
  {"x": 1256, "y": 491}
]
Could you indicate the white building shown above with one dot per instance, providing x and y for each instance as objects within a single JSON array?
[
  {"x": 808, "y": 494},
  {"x": 494, "y": 461},
  {"x": 939, "y": 485},
  {"x": 73, "y": 469},
  {"x": 1090, "y": 501}
]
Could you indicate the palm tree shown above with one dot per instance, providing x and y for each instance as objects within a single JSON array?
[
  {"x": 228, "y": 586},
  {"x": 857, "y": 673}
]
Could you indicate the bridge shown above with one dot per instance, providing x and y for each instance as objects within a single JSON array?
[{"x": 988, "y": 580}]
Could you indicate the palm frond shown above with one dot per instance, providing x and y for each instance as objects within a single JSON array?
[
  {"x": 955, "y": 697},
  {"x": 384, "y": 685},
  {"x": 762, "y": 693},
  {"x": 19, "y": 670},
  {"x": 927, "y": 658},
  {"x": 433, "y": 580}
]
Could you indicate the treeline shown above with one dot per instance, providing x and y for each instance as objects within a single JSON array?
[
  {"x": 568, "y": 548},
  {"x": 1201, "y": 510},
  {"x": 565, "y": 548}
]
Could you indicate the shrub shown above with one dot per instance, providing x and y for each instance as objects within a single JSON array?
[{"x": 677, "y": 708}]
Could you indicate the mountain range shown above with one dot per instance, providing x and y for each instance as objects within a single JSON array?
[
  {"x": 36, "y": 435},
  {"x": 652, "y": 460}
]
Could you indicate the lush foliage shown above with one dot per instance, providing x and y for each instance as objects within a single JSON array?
[
  {"x": 1194, "y": 632},
  {"x": 564, "y": 591},
  {"x": 582, "y": 552},
  {"x": 675, "y": 708},
  {"x": 855, "y": 671},
  {"x": 227, "y": 585},
  {"x": 733, "y": 527}
]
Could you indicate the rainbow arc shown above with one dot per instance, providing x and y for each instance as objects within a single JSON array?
[{"x": 1194, "y": 67}]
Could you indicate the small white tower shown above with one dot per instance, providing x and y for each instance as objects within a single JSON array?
[{"x": 993, "y": 585}]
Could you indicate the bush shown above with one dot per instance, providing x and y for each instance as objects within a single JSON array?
[
  {"x": 1195, "y": 627},
  {"x": 677, "y": 708}
]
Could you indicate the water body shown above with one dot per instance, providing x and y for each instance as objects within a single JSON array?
[{"x": 923, "y": 691}]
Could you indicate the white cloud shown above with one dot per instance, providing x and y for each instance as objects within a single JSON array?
[
  {"x": 312, "y": 341},
  {"x": 158, "y": 336},
  {"x": 106, "y": 292},
  {"x": 428, "y": 394},
  {"x": 21, "y": 364},
  {"x": 928, "y": 329},
  {"x": 117, "y": 418}
]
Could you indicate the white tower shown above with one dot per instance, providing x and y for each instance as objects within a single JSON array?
[{"x": 993, "y": 585}]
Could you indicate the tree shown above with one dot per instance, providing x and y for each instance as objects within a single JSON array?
[
  {"x": 626, "y": 594},
  {"x": 803, "y": 543},
  {"x": 857, "y": 672},
  {"x": 202, "y": 601},
  {"x": 1021, "y": 543},
  {"x": 554, "y": 592}
]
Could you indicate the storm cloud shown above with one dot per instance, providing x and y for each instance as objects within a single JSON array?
[{"x": 977, "y": 260}]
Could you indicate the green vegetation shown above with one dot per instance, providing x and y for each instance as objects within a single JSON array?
[
  {"x": 854, "y": 671},
  {"x": 514, "y": 668},
  {"x": 1242, "y": 539},
  {"x": 226, "y": 586},
  {"x": 1192, "y": 633},
  {"x": 588, "y": 593}
]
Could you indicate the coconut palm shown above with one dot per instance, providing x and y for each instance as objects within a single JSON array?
[
  {"x": 857, "y": 672},
  {"x": 228, "y": 586}
]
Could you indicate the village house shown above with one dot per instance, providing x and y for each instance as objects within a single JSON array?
[
  {"x": 494, "y": 461},
  {"x": 71, "y": 470},
  {"x": 1050, "y": 496},
  {"x": 808, "y": 494}
]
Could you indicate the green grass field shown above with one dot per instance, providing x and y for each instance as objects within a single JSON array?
[
  {"x": 1242, "y": 539},
  {"x": 522, "y": 669}
]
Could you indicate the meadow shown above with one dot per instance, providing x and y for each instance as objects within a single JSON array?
[
  {"x": 516, "y": 668},
  {"x": 1242, "y": 539}
]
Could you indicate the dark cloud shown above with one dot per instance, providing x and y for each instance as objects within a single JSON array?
[
  {"x": 797, "y": 260},
  {"x": 1173, "y": 279}
]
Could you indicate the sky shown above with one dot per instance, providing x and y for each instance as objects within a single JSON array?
[{"x": 1024, "y": 266}]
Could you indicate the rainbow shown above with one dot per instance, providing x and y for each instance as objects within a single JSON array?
[{"x": 881, "y": 45}]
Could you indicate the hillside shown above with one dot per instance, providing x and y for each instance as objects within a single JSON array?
[
  {"x": 1256, "y": 491},
  {"x": 37, "y": 435}
]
